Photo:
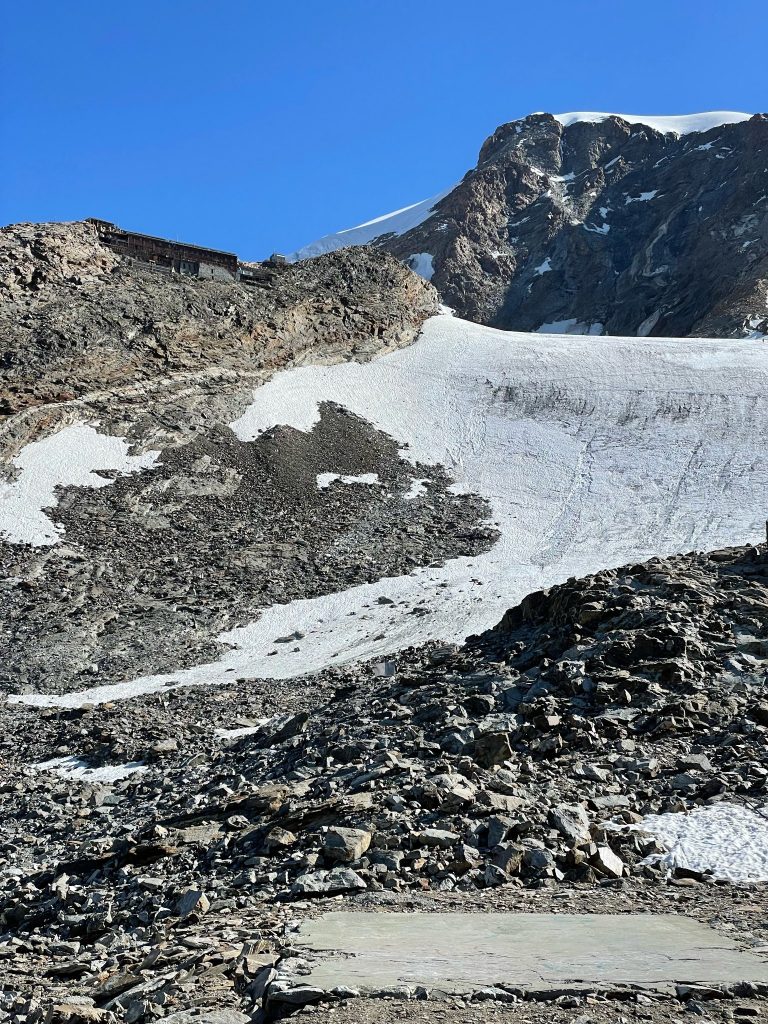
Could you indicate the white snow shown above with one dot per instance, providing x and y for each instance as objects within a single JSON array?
[
  {"x": 417, "y": 488},
  {"x": 325, "y": 480},
  {"x": 396, "y": 223},
  {"x": 600, "y": 229},
  {"x": 66, "y": 458},
  {"x": 74, "y": 768},
  {"x": 644, "y": 197},
  {"x": 727, "y": 840},
  {"x": 545, "y": 267},
  {"x": 572, "y": 326},
  {"x": 421, "y": 263},
  {"x": 648, "y": 324},
  {"x": 678, "y": 124},
  {"x": 593, "y": 452},
  {"x": 754, "y": 329}
]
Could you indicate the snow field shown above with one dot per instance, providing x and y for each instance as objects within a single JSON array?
[{"x": 592, "y": 452}]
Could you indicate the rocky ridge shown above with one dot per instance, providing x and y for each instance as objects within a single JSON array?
[
  {"x": 85, "y": 329},
  {"x": 510, "y": 765},
  {"x": 603, "y": 227}
]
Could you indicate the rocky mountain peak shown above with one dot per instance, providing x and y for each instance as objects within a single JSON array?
[{"x": 592, "y": 223}]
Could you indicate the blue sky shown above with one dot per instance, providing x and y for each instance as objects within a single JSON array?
[{"x": 257, "y": 126}]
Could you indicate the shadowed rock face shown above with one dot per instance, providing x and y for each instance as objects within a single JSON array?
[{"x": 608, "y": 224}]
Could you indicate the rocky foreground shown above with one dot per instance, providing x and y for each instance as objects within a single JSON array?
[
  {"x": 601, "y": 227},
  {"x": 514, "y": 773}
]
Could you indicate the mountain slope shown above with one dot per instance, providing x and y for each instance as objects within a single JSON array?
[
  {"x": 599, "y": 223},
  {"x": 219, "y": 505},
  {"x": 77, "y": 320},
  {"x": 509, "y": 462}
]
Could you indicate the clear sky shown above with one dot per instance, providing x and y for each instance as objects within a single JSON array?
[{"x": 257, "y": 126}]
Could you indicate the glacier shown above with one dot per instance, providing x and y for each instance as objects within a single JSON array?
[{"x": 592, "y": 452}]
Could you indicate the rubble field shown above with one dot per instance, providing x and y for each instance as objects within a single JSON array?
[{"x": 160, "y": 866}]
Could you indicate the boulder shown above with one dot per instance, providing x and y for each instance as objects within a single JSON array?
[
  {"x": 346, "y": 844},
  {"x": 572, "y": 822},
  {"x": 491, "y": 748},
  {"x": 329, "y": 882}
]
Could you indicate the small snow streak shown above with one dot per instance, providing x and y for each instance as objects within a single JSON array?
[{"x": 324, "y": 480}]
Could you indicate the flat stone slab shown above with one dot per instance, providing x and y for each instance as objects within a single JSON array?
[{"x": 465, "y": 952}]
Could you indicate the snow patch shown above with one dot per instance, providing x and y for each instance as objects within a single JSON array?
[
  {"x": 644, "y": 197},
  {"x": 242, "y": 730},
  {"x": 678, "y": 124},
  {"x": 754, "y": 328},
  {"x": 74, "y": 768},
  {"x": 396, "y": 223},
  {"x": 421, "y": 263},
  {"x": 324, "y": 480},
  {"x": 417, "y": 488},
  {"x": 572, "y": 326},
  {"x": 648, "y": 324},
  {"x": 67, "y": 458},
  {"x": 545, "y": 267},
  {"x": 727, "y": 840}
]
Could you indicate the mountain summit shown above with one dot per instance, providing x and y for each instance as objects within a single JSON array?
[{"x": 597, "y": 223}]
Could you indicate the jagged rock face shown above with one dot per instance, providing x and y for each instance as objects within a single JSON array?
[{"x": 615, "y": 227}]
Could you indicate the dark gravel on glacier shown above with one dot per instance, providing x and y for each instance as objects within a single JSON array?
[{"x": 152, "y": 568}]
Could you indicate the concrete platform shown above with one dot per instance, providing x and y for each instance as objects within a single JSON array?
[{"x": 465, "y": 952}]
